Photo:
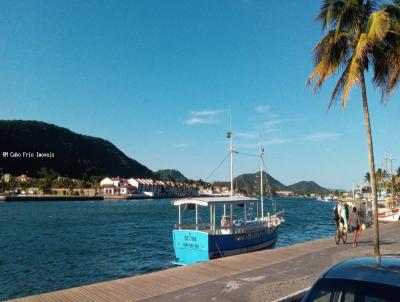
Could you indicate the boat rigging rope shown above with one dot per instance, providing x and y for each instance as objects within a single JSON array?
[
  {"x": 268, "y": 187},
  {"x": 248, "y": 154},
  {"x": 220, "y": 164}
]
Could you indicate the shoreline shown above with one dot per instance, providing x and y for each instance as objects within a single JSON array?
[
  {"x": 48, "y": 198},
  {"x": 32, "y": 198}
]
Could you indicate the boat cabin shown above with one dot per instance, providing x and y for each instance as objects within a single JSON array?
[{"x": 227, "y": 215}]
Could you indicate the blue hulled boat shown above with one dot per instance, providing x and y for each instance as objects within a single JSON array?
[{"x": 228, "y": 230}]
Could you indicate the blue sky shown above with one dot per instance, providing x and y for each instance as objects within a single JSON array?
[{"x": 157, "y": 78}]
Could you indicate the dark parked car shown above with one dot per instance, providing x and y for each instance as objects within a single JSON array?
[{"x": 359, "y": 280}]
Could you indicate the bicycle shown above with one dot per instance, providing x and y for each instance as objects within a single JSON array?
[{"x": 341, "y": 232}]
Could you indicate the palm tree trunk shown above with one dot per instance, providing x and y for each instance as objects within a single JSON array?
[{"x": 371, "y": 161}]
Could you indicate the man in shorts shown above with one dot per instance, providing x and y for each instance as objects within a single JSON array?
[{"x": 337, "y": 217}]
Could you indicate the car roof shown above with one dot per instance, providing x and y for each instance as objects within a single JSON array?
[{"x": 387, "y": 271}]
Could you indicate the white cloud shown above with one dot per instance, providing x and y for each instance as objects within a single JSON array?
[
  {"x": 206, "y": 113},
  {"x": 183, "y": 145},
  {"x": 322, "y": 136},
  {"x": 315, "y": 137},
  {"x": 273, "y": 123},
  {"x": 262, "y": 109},
  {"x": 198, "y": 121},
  {"x": 202, "y": 117}
]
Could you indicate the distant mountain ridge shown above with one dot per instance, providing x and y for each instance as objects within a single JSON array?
[
  {"x": 170, "y": 174},
  {"x": 70, "y": 154},
  {"x": 250, "y": 183},
  {"x": 308, "y": 187}
]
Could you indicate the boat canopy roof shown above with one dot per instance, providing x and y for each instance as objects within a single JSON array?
[{"x": 206, "y": 201}]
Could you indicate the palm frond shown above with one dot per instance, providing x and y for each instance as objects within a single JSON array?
[
  {"x": 329, "y": 12},
  {"x": 357, "y": 66},
  {"x": 360, "y": 32},
  {"x": 378, "y": 25},
  {"x": 329, "y": 55},
  {"x": 371, "y": 6},
  {"x": 392, "y": 10},
  {"x": 339, "y": 86},
  {"x": 386, "y": 59}
]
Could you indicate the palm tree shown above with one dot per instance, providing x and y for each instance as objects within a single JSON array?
[
  {"x": 355, "y": 35},
  {"x": 367, "y": 178},
  {"x": 379, "y": 174}
]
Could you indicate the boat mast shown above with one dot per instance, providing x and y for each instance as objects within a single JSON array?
[
  {"x": 229, "y": 136},
  {"x": 388, "y": 156},
  {"x": 261, "y": 182},
  {"x": 231, "y": 153},
  {"x": 391, "y": 173}
]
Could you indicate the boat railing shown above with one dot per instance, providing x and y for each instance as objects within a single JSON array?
[
  {"x": 192, "y": 226},
  {"x": 239, "y": 227},
  {"x": 251, "y": 226}
]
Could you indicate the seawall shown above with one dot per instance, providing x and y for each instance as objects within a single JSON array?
[
  {"x": 47, "y": 198},
  {"x": 260, "y": 276}
]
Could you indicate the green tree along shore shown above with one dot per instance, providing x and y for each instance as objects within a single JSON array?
[
  {"x": 386, "y": 181},
  {"x": 48, "y": 180}
]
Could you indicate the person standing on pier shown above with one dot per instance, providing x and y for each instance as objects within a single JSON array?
[{"x": 355, "y": 225}]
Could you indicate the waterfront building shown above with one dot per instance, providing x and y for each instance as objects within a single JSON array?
[
  {"x": 22, "y": 178},
  {"x": 284, "y": 193},
  {"x": 109, "y": 189},
  {"x": 6, "y": 177},
  {"x": 116, "y": 181},
  {"x": 127, "y": 189},
  {"x": 138, "y": 184},
  {"x": 146, "y": 187}
]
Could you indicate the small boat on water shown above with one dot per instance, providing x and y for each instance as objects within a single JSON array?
[
  {"x": 325, "y": 198},
  {"x": 388, "y": 210},
  {"x": 229, "y": 229}
]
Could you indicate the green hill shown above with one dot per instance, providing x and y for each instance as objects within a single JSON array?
[
  {"x": 71, "y": 154},
  {"x": 170, "y": 174},
  {"x": 308, "y": 187},
  {"x": 250, "y": 183}
]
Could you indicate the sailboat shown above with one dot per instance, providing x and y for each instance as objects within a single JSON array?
[
  {"x": 388, "y": 207},
  {"x": 228, "y": 231}
]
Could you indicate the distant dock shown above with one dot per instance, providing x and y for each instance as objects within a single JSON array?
[
  {"x": 8, "y": 198},
  {"x": 267, "y": 275}
]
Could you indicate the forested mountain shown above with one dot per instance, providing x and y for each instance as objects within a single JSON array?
[
  {"x": 27, "y": 146},
  {"x": 308, "y": 187},
  {"x": 250, "y": 183},
  {"x": 170, "y": 174}
]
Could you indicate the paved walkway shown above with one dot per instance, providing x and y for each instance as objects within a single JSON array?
[{"x": 261, "y": 276}]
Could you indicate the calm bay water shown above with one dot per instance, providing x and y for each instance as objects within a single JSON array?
[{"x": 46, "y": 246}]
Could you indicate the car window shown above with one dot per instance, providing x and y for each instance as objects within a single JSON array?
[
  {"x": 373, "y": 299},
  {"x": 326, "y": 293},
  {"x": 339, "y": 290},
  {"x": 348, "y": 295}
]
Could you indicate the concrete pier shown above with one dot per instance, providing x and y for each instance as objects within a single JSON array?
[{"x": 261, "y": 276}]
